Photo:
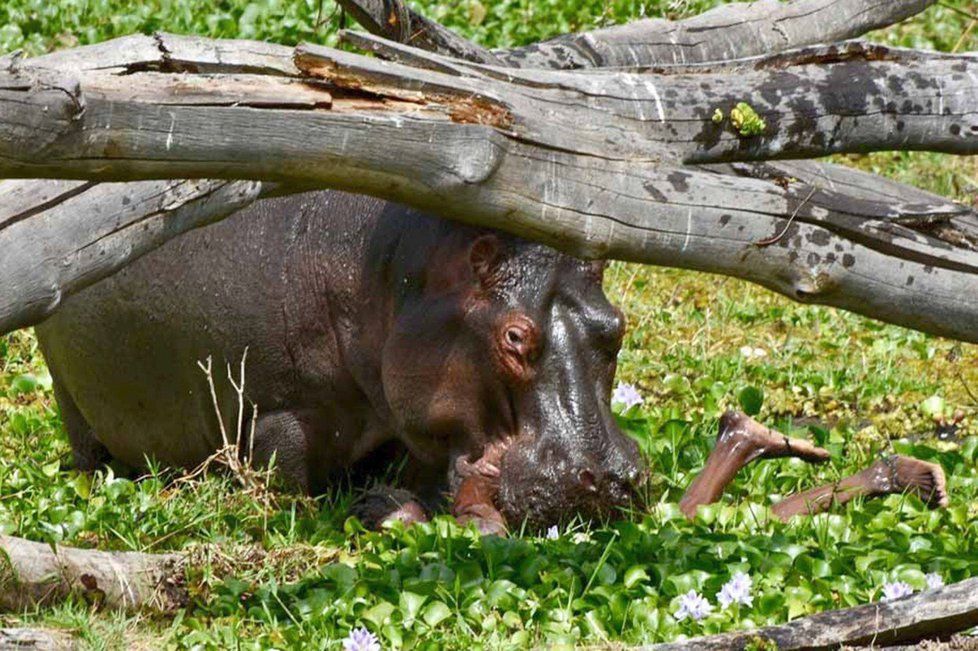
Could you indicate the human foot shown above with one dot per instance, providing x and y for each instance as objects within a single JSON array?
[
  {"x": 898, "y": 474},
  {"x": 741, "y": 433}
]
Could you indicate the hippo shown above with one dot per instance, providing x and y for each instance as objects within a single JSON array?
[{"x": 374, "y": 334}]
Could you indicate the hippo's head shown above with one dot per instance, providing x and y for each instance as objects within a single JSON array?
[{"x": 503, "y": 361}]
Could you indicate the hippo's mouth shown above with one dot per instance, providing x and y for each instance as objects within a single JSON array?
[{"x": 477, "y": 487}]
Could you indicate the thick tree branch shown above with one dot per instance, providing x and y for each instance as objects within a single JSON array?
[
  {"x": 58, "y": 237},
  {"x": 852, "y": 97},
  {"x": 941, "y": 612},
  {"x": 466, "y": 143},
  {"x": 730, "y": 31},
  {"x": 846, "y": 184},
  {"x": 395, "y": 21}
]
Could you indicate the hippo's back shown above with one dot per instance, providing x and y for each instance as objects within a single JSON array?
[{"x": 279, "y": 278}]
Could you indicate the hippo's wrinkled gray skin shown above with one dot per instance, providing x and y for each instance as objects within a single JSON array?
[{"x": 372, "y": 332}]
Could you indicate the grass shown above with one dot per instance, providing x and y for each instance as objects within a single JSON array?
[{"x": 285, "y": 572}]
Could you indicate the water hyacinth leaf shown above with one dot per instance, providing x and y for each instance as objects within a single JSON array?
[
  {"x": 912, "y": 576},
  {"x": 23, "y": 384},
  {"x": 682, "y": 583},
  {"x": 919, "y": 544},
  {"x": 605, "y": 574},
  {"x": 751, "y": 400},
  {"x": 706, "y": 514},
  {"x": 668, "y": 511},
  {"x": 501, "y": 594},
  {"x": 595, "y": 625},
  {"x": 933, "y": 407},
  {"x": 799, "y": 601},
  {"x": 410, "y": 605},
  {"x": 815, "y": 567},
  {"x": 676, "y": 383},
  {"x": 82, "y": 484},
  {"x": 512, "y": 620},
  {"x": 51, "y": 469},
  {"x": 435, "y": 613},
  {"x": 969, "y": 449},
  {"x": 468, "y": 574},
  {"x": 794, "y": 550}
]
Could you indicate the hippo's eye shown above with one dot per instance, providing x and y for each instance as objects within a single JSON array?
[{"x": 518, "y": 346}]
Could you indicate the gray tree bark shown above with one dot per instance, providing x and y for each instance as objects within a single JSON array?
[
  {"x": 35, "y": 574},
  {"x": 34, "y": 639},
  {"x": 491, "y": 146},
  {"x": 58, "y": 237},
  {"x": 940, "y": 612},
  {"x": 730, "y": 31}
]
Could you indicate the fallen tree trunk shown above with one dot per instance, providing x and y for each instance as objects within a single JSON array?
[
  {"x": 730, "y": 31},
  {"x": 35, "y": 574},
  {"x": 490, "y": 146},
  {"x": 34, "y": 639},
  {"x": 940, "y": 612},
  {"x": 58, "y": 237}
]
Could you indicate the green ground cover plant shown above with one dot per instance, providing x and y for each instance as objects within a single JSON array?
[{"x": 287, "y": 572}]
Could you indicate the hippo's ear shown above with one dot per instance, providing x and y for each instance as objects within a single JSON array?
[{"x": 484, "y": 256}]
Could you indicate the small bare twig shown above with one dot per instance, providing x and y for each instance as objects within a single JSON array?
[
  {"x": 774, "y": 240},
  {"x": 964, "y": 35},
  {"x": 967, "y": 387},
  {"x": 231, "y": 454},
  {"x": 208, "y": 371},
  {"x": 239, "y": 390},
  {"x": 966, "y": 14}
]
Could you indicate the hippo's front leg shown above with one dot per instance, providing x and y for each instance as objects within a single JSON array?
[{"x": 286, "y": 436}]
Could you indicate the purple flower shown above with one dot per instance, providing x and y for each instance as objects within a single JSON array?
[
  {"x": 934, "y": 581},
  {"x": 626, "y": 395},
  {"x": 553, "y": 533},
  {"x": 693, "y": 606},
  {"x": 360, "y": 639},
  {"x": 896, "y": 590},
  {"x": 736, "y": 591}
]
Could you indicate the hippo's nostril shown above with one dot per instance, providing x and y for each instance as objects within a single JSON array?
[{"x": 586, "y": 477}]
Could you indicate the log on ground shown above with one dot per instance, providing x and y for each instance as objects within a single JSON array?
[
  {"x": 34, "y": 639},
  {"x": 36, "y": 574},
  {"x": 935, "y": 613}
]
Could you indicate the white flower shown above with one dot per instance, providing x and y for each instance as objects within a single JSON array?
[
  {"x": 581, "y": 537},
  {"x": 553, "y": 533},
  {"x": 360, "y": 639},
  {"x": 934, "y": 581},
  {"x": 626, "y": 395},
  {"x": 896, "y": 590},
  {"x": 749, "y": 352},
  {"x": 693, "y": 606},
  {"x": 736, "y": 591}
]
